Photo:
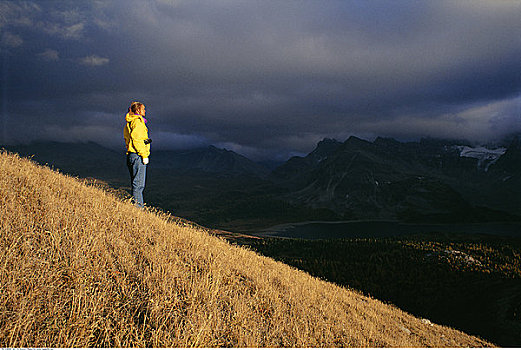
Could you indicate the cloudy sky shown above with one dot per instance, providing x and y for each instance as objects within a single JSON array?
[{"x": 263, "y": 78}]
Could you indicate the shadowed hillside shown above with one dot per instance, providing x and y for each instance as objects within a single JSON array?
[{"x": 81, "y": 268}]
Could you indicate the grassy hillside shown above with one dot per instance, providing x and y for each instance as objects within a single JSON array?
[{"x": 81, "y": 268}]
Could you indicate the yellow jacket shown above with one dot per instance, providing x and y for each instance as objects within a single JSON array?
[{"x": 135, "y": 133}]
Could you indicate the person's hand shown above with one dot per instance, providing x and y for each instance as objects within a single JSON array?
[{"x": 145, "y": 161}]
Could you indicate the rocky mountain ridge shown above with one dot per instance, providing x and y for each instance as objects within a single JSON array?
[{"x": 426, "y": 180}]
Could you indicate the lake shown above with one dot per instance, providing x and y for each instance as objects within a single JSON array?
[{"x": 374, "y": 229}]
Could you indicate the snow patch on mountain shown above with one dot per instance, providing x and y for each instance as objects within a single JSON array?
[{"x": 486, "y": 157}]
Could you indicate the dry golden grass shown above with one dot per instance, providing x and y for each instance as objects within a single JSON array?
[{"x": 81, "y": 268}]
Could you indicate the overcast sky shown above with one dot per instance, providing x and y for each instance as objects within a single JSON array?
[{"x": 263, "y": 78}]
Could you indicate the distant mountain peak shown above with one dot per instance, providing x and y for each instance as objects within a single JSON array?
[
  {"x": 386, "y": 140},
  {"x": 324, "y": 149},
  {"x": 328, "y": 141},
  {"x": 354, "y": 140},
  {"x": 209, "y": 159}
]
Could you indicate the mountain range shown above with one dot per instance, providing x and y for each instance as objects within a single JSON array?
[
  {"x": 429, "y": 180},
  {"x": 425, "y": 180},
  {"x": 91, "y": 159}
]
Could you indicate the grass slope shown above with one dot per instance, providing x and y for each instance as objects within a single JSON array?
[{"x": 81, "y": 268}]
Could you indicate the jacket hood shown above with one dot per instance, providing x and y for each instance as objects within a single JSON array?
[{"x": 131, "y": 116}]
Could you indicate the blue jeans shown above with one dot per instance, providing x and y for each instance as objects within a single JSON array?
[{"x": 138, "y": 172}]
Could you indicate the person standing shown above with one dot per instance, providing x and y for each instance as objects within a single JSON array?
[{"x": 138, "y": 149}]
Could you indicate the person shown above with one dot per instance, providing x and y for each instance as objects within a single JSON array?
[{"x": 138, "y": 149}]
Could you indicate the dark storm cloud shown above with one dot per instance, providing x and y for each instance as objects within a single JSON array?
[{"x": 262, "y": 76}]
